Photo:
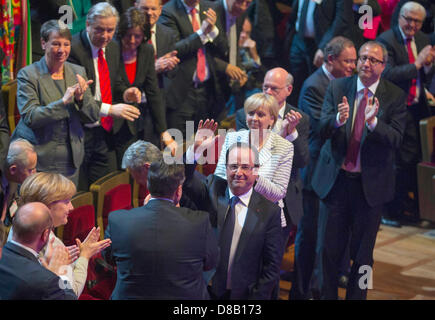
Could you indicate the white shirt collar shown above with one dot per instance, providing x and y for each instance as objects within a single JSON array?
[
  {"x": 26, "y": 248},
  {"x": 404, "y": 36},
  {"x": 372, "y": 88},
  {"x": 244, "y": 198},
  {"x": 328, "y": 74},
  {"x": 188, "y": 9},
  {"x": 94, "y": 48}
]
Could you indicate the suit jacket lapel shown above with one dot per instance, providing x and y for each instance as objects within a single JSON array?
[
  {"x": 87, "y": 45},
  {"x": 47, "y": 83},
  {"x": 222, "y": 206},
  {"x": 251, "y": 220}
]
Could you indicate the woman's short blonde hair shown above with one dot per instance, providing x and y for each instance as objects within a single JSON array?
[
  {"x": 262, "y": 100},
  {"x": 46, "y": 187}
]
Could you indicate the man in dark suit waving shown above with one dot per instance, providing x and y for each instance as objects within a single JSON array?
[
  {"x": 362, "y": 124},
  {"x": 248, "y": 225},
  {"x": 161, "y": 249}
]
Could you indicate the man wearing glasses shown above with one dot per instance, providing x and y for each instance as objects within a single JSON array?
[
  {"x": 410, "y": 66},
  {"x": 362, "y": 124}
]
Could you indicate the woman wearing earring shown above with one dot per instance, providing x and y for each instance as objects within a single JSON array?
[{"x": 276, "y": 153}]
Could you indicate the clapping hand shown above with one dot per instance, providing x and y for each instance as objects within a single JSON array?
[
  {"x": 371, "y": 110},
  {"x": 91, "y": 245},
  {"x": 343, "y": 110},
  {"x": 290, "y": 122}
]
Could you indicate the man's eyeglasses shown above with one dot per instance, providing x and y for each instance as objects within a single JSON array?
[
  {"x": 243, "y": 167},
  {"x": 410, "y": 20},
  {"x": 373, "y": 61},
  {"x": 274, "y": 89}
]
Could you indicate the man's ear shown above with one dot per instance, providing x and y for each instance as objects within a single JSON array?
[
  {"x": 13, "y": 169},
  {"x": 45, "y": 235},
  {"x": 43, "y": 43}
]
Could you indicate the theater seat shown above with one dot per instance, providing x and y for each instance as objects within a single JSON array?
[
  {"x": 111, "y": 192},
  {"x": 81, "y": 220},
  {"x": 9, "y": 91}
]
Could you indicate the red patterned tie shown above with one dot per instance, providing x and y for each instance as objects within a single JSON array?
[
  {"x": 105, "y": 88},
  {"x": 355, "y": 140},
  {"x": 413, "y": 89},
  {"x": 200, "y": 65}
]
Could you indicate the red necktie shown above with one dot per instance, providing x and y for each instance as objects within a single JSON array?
[
  {"x": 355, "y": 140},
  {"x": 200, "y": 65},
  {"x": 413, "y": 89},
  {"x": 105, "y": 88}
]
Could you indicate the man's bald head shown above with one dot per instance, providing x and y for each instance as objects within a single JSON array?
[
  {"x": 30, "y": 221},
  {"x": 278, "y": 83}
]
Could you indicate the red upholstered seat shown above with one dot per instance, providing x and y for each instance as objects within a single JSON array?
[
  {"x": 80, "y": 222},
  {"x": 116, "y": 199}
]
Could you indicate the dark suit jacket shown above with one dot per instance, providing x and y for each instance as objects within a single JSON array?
[
  {"x": 43, "y": 112},
  {"x": 23, "y": 278},
  {"x": 161, "y": 251},
  {"x": 257, "y": 261},
  {"x": 293, "y": 197},
  {"x": 13, "y": 196},
  {"x": 398, "y": 69},
  {"x": 310, "y": 101},
  {"x": 81, "y": 54},
  {"x": 377, "y": 147},
  {"x": 4, "y": 131},
  {"x": 174, "y": 16},
  {"x": 145, "y": 81},
  {"x": 331, "y": 18}
]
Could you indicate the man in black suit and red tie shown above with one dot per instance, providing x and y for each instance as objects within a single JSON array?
[
  {"x": 362, "y": 124},
  {"x": 194, "y": 93},
  {"x": 94, "y": 49},
  {"x": 410, "y": 66}
]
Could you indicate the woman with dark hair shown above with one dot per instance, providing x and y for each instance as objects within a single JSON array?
[
  {"x": 138, "y": 60},
  {"x": 54, "y": 102}
]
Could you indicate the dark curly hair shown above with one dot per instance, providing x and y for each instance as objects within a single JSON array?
[{"x": 132, "y": 18}]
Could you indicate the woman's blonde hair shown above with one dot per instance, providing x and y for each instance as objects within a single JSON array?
[
  {"x": 262, "y": 100},
  {"x": 46, "y": 187}
]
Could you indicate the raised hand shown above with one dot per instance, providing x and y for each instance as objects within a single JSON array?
[
  {"x": 343, "y": 110},
  {"x": 204, "y": 136},
  {"x": 58, "y": 261},
  {"x": 69, "y": 94}
]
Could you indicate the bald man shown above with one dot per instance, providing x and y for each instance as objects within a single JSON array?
[
  {"x": 22, "y": 277},
  {"x": 293, "y": 125}
]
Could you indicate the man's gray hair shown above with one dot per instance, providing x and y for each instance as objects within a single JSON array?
[
  {"x": 18, "y": 153},
  {"x": 413, "y": 6},
  {"x": 139, "y": 153},
  {"x": 289, "y": 80},
  {"x": 101, "y": 10}
]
